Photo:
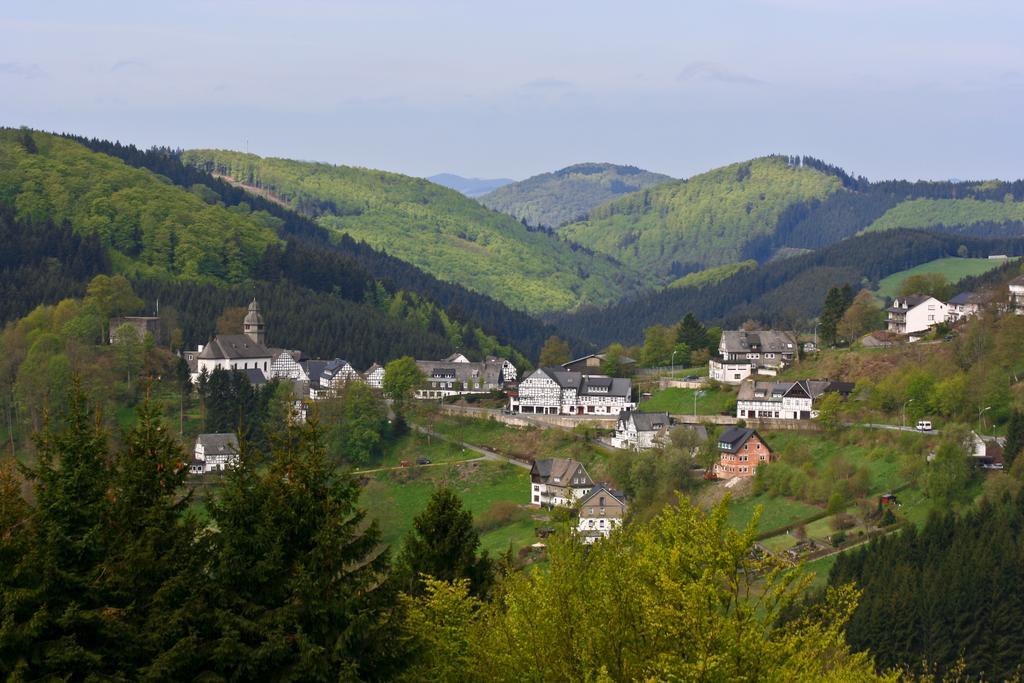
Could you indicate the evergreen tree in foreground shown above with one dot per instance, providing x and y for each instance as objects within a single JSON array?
[{"x": 443, "y": 545}]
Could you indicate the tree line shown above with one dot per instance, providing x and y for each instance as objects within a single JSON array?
[
  {"x": 108, "y": 572},
  {"x": 779, "y": 291}
]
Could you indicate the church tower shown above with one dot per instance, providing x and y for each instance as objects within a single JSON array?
[{"x": 253, "y": 326}]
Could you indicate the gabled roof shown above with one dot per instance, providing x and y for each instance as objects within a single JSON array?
[
  {"x": 1017, "y": 281},
  {"x": 734, "y": 437},
  {"x": 548, "y": 470},
  {"x": 233, "y": 346},
  {"x": 218, "y": 443},
  {"x": 911, "y": 302},
  {"x": 763, "y": 341},
  {"x": 646, "y": 422},
  {"x": 776, "y": 391},
  {"x": 623, "y": 359},
  {"x": 602, "y": 489},
  {"x": 587, "y": 385},
  {"x": 488, "y": 371}
]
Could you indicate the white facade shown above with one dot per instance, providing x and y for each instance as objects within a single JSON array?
[
  {"x": 558, "y": 482},
  {"x": 553, "y": 391},
  {"x": 374, "y": 377},
  {"x": 285, "y": 366},
  {"x": 729, "y": 372},
  {"x": 640, "y": 431},
  {"x": 914, "y": 314},
  {"x": 214, "y": 453},
  {"x": 1016, "y": 288}
]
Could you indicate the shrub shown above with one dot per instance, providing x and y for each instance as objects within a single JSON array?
[
  {"x": 842, "y": 521},
  {"x": 501, "y": 513}
]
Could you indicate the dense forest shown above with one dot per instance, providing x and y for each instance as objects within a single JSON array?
[
  {"x": 435, "y": 228},
  {"x": 675, "y": 228},
  {"x": 308, "y": 243},
  {"x": 944, "y": 595},
  {"x": 783, "y": 291},
  {"x": 554, "y": 199}
]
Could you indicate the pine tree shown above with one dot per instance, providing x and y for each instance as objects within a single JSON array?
[
  {"x": 296, "y": 586},
  {"x": 52, "y": 617},
  {"x": 692, "y": 333},
  {"x": 443, "y": 544}
]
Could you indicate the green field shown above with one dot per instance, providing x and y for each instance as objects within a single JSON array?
[
  {"x": 680, "y": 402},
  {"x": 776, "y": 513},
  {"x": 394, "y": 498},
  {"x": 954, "y": 269}
]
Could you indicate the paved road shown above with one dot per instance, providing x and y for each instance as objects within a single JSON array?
[{"x": 895, "y": 428}]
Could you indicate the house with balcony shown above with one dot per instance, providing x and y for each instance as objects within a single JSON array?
[
  {"x": 742, "y": 353},
  {"x": 915, "y": 314},
  {"x": 558, "y": 482}
]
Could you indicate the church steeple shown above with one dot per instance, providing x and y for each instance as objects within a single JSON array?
[{"x": 253, "y": 325}]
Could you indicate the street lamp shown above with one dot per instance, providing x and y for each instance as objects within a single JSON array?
[
  {"x": 816, "y": 335},
  {"x": 695, "y": 395},
  {"x": 980, "y": 413},
  {"x": 672, "y": 373},
  {"x": 903, "y": 420}
]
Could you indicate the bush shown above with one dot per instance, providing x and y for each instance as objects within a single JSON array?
[
  {"x": 838, "y": 538},
  {"x": 842, "y": 521}
]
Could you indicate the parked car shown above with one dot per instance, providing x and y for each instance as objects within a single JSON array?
[
  {"x": 423, "y": 461},
  {"x": 924, "y": 425}
]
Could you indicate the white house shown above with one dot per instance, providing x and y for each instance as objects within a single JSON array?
[
  {"x": 236, "y": 351},
  {"x": 601, "y": 510},
  {"x": 374, "y": 376},
  {"x": 915, "y": 313},
  {"x": 558, "y": 482},
  {"x": 964, "y": 305},
  {"x": 456, "y": 375},
  {"x": 637, "y": 430},
  {"x": 742, "y": 353},
  {"x": 554, "y": 391},
  {"x": 288, "y": 365},
  {"x": 214, "y": 453},
  {"x": 785, "y": 400}
]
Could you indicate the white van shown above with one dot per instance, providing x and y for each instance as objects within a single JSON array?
[{"x": 924, "y": 425}]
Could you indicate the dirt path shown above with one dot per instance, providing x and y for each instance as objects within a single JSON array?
[{"x": 483, "y": 454}]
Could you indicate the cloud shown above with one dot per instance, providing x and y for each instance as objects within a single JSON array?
[
  {"x": 21, "y": 70},
  {"x": 713, "y": 71},
  {"x": 129, "y": 65},
  {"x": 548, "y": 84}
]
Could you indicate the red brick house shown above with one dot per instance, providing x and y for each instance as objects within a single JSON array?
[{"x": 741, "y": 450}]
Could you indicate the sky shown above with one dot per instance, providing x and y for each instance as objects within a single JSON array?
[{"x": 884, "y": 88}]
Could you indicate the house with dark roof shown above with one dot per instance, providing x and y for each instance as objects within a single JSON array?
[
  {"x": 785, "y": 400},
  {"x": 214, "y": 453},
  {"x": 236, "y": 351},
  {"x": 558, "y": 482},
  {"x": 330, "y": 377},
  {"x": 1016, "y": 293},
  {"x": 741, "y": 450},
  {"x": 374, "y": 376},
  {"x": 966, "y": 304},
  {"x": 638, "y": 430},
  {"x": 457, "y": 375},
  {"x": 555, "y": 391},
  {"x": 742, "y": 353},
  {"x": 601, "y": 510},
  {"x": 915, "y": 314}
]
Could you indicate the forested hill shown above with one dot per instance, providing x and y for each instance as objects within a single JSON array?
[
  {"x": 434, "y": 228},
  {"x": 782, "y": 292},
  {"x": 69, "y": 213},
  {"x": 754, "y": 209},
  {"x": 554, "y": 199},
  {"x": 675, "y": 228},
  {"x": 312, "y": 249}
]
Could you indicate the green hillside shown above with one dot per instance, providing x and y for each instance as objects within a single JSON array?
[
  {"x": 710, "y": 276},
  {"x": 151, "y": 226},
  {"x": 703, "y": 221},
  {"x": 435, "y": 228},
  {"x": 953, "y": 269},
  {"x": 554, "y": 199},
  {"x": 926, "y": 213}
]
